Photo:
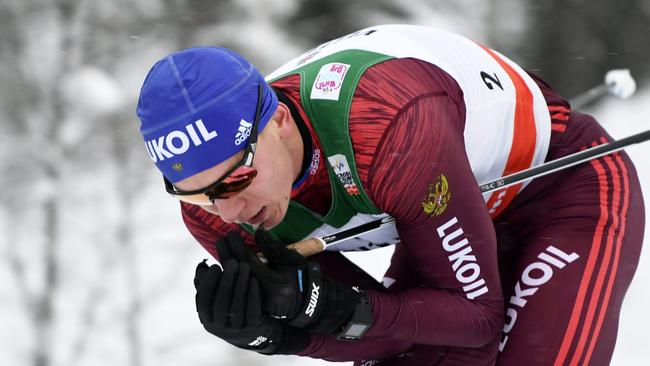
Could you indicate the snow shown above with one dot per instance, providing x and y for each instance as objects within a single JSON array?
[
  {"x": 91, "y": 91},
  {"x": 620, "y": 83}
]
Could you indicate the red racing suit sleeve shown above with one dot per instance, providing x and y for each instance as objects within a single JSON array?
[
  {"x": 445, "y": 287},
  {"x": 422, "y": 177}
]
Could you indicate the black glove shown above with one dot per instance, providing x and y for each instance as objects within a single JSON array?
[
  {"x": 296, "y": 290},
  {"x": 229, "y": 305}
]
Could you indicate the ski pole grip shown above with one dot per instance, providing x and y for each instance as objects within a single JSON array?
[{"x": 308, "y": 247}]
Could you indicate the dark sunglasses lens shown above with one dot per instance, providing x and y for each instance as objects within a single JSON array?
[{"x": 234, "y": 183}]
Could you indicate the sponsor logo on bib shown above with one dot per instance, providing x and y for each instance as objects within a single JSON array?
[
  {"x": 328, "y": 81},
  {"x": 342, "y": 170}
]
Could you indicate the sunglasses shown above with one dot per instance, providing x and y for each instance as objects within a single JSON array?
[{"x": 234, "y": 180}]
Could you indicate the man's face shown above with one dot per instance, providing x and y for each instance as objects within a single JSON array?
[{"x": 265, "y": 201}]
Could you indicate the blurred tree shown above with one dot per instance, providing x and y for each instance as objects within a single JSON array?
[
  {"x": 321, "y": 21},
  {"x": 573, "y": 43},
  {"x": 35, "y": 107},
  {"x": 316, "y": 22},
  {"x": 64, "y": 120}
]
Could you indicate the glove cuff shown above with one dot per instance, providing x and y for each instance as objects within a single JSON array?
[
  {"x": 291, "y": 341},
  {"x": 339, "y": 305},
  {"x": 360, "y": 322}
]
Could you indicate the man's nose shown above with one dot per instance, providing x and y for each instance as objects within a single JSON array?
[{"x": 228, "y": 209}]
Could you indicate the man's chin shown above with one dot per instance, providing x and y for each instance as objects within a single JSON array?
[
  {"x": 270, "y": 223},
  {"x": 274, "y": 220}
]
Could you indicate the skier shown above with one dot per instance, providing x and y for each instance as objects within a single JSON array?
[{"x": 403, "y": 121}]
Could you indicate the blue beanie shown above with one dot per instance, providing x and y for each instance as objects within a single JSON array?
[{"x": 197, "y": 107}]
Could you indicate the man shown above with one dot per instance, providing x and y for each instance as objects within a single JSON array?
[{"x": 402, "y": 121}]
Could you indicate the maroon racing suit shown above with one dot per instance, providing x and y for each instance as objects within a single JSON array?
[{"x": 556, "y": 263}]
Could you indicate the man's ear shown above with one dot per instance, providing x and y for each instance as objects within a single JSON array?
[{"x": 283, "y": 120}]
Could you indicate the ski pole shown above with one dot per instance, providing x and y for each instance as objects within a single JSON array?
[
  {"x": 565, "y": 162},
  {"x": 316, "y": 245},
  {"x": 618, "y": 83}
]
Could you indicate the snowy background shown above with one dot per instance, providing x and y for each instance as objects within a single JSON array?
[{"x": 95, "y": 265}]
